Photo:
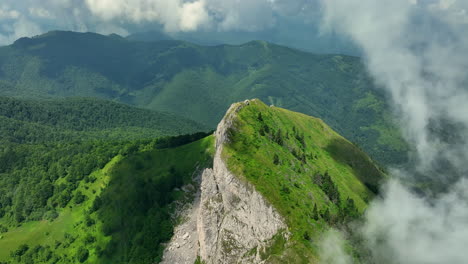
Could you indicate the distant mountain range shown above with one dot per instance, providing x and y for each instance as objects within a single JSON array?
[
  {"x": 290, "y": 32},
  {"x": 200, "y": 82}
]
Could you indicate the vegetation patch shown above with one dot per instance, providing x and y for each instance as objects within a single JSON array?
[{"x": 288, "y": 158}]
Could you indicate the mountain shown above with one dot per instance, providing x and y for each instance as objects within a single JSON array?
[
  {"x": 262, "y": 189},
  {"x": 279, "y": 180},
  {"x": 200, "y": 82}
]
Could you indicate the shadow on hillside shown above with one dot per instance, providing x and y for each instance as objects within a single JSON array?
[
  {"x": 134, "y": 211},
  {"x": 136, "y": 207},
  {"x": 364, "y": 169}
]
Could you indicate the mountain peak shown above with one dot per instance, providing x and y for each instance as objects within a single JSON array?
[{"x": 280, "y": 174}]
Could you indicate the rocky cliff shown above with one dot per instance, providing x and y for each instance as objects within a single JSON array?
[{"x": 229, "y": 221}]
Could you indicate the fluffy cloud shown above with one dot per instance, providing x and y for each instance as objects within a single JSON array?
[
  {"x": 180, "y": 15},
  {"x": 332, "y": 249},
  {"x": 40, "y": 13},
  {"x": 405, "y": 228},
  {"x": 21, "y": 27},
  {"x": 7, "y": 13},
  {"x": 174, "y": 15}
]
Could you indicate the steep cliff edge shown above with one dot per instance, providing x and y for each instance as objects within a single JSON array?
[
  {"x": 279, "y": 180},
  {"x": 234, "y": 223}
]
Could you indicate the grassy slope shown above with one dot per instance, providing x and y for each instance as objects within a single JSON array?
[
  {"x": 289, "y": 185},
  {"x": 115, "y": 185},
  {"x": 201, "y": 82},
  {"x": 47, "y": 232}
]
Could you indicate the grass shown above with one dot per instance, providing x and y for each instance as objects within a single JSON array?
[
  {"x": 47, "y": 232},
  {"x": 115, "y": 185},
  {"x": 307, "y": 147}
]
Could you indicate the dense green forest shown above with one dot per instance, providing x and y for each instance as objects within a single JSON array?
[
  {"x": 200, "y": 82},
  {"x": 76, "y": 119},
  {"x": 67, "y": 207},
  {"x": 62, "y": 166}
]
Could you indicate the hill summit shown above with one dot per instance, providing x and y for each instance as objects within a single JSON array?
[{"x": 279, "y": 180}]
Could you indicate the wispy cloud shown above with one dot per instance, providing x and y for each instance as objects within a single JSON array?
[{"x": 417, "y": 51}]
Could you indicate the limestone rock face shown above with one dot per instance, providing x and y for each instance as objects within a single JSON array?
[{"x": 234, "y": 223}]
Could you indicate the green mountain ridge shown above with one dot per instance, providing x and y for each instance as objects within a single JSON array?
[
  {"x": 122, "y": 211},
  {"x": 28, "y": 120},
  {"x": 200, "y": 82},
  {"x": 315, "y": 178}
]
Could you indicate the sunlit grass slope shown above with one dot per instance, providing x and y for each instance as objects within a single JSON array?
[
  {"x": 123, "y": 215},
  {"x": 312, "y": 175}
]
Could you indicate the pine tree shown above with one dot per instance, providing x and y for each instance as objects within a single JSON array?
[
  {"x": 276, "y": 159},
  {"x": 260, "y": 117},
  {"x": 315, "y": 214},
  {"x": 326, "y": 215}
]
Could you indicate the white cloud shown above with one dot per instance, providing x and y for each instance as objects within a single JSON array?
[
  {"x": 405, "y": 228},
  {"x": 7, "y": 13},
  {"x": 20, "y": 28},
  {"x": 455, "y": 11},
  {"x": 183, "y": 15},
  {"x": 175, "y": 15},
  {"x": 242, "y": 14},
  {"x": 193, "y": 15},
  {"x": 418, "y": 51},
  {"x": 332, "y": 249},
  {"x": 40, "y": 13}
]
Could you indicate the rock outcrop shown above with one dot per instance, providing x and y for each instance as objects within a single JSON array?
[{"x": 234, "y": 223}]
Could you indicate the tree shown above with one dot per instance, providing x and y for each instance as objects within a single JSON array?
[
  {"x": 279, "y": 137},
  {"x": 349, "y": 210},
  {"x": 326, "y": 215},
  {"x": 96, "y": 204},
  {"x": 79, "y": 197},
  {"x": 260, "y": 117},
  {"x": 22, "y": 249},
  {"x": 82, "y": 254},
  {"x": 315, "y": 214},
  {"x": 276, "y": 159}
]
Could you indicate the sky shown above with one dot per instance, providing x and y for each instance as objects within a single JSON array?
[
  {"x": 416, "y": 50},
  {"x": 21, "y": 18},
  {"x": 296, "y": 23}
]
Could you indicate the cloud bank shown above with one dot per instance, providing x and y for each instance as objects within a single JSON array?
[{"x": 418, "y": 52}]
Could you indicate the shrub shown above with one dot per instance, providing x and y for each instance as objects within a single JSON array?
[{"x": 82, "y": 254}]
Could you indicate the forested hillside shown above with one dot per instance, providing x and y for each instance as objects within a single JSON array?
[
  {"x": 100, "y": 202},
  {"x": 201, "y": 82},
  {"x": 76, "y": 119},
  {"x": 52, "y": 159}
]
